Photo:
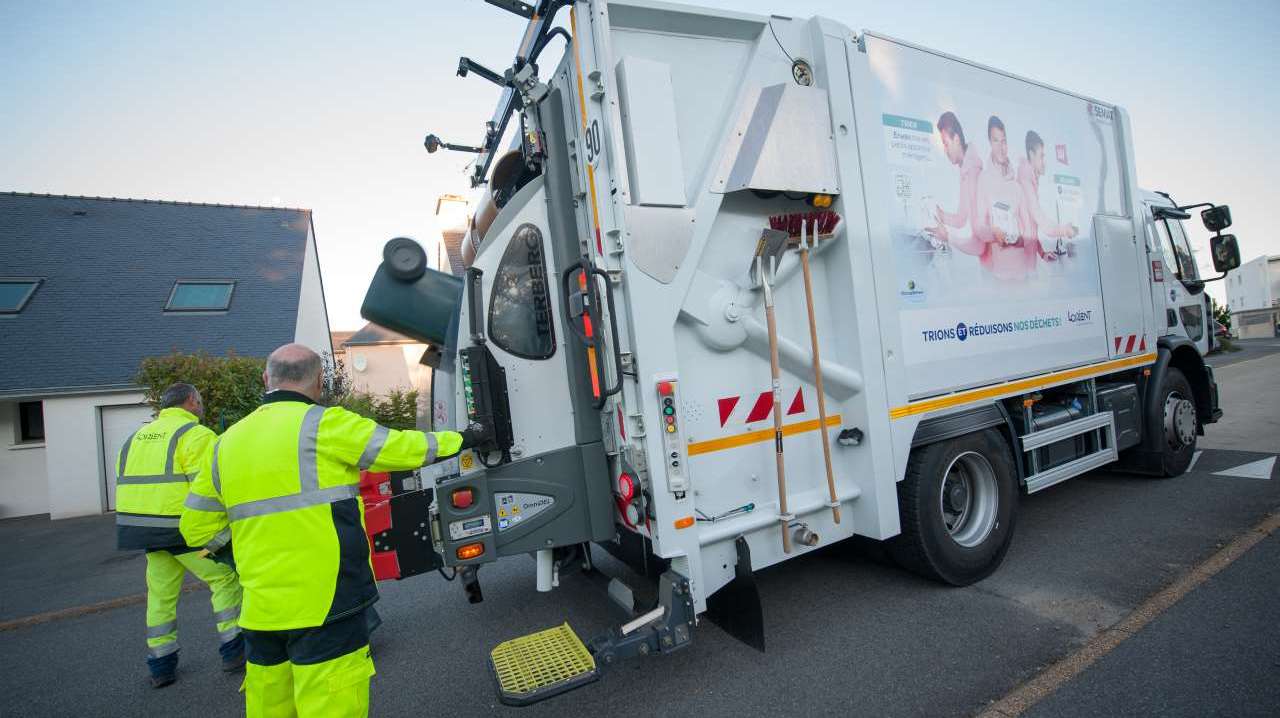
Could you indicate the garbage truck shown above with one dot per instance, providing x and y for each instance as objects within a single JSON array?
[{"x": 741, "y": 287}]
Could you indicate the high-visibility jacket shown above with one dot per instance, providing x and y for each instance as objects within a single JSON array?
[
  {"x": 153, "y": 472},
  {"x": 282, "y": 484}
]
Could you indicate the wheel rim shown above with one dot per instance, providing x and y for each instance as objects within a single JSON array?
[
  {"x": 969, "y": 499},
  {"x": 1179, "y": 421}
]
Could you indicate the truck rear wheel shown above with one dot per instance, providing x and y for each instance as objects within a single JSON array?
[
  {"x": 957, "y": 505},
  {"x": 1177, "y": 427}
]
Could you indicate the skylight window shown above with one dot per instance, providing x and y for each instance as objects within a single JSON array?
[
  {"x": 200, "y": 296},
  {"x": 14, "y": 294}
]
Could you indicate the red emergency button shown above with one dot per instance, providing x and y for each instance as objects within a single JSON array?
[
  {"x": 666, "y": 388},
  {"x": 462, "y": 498}
]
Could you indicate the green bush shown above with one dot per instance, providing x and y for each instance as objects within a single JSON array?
[
  {"x": 231, "y": 386},
  {"x": 396, "y": 410}
]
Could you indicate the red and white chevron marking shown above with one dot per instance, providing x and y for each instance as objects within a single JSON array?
[
  {"x": 1129, "y": 342},
  {"x": 762, "y": 408}
]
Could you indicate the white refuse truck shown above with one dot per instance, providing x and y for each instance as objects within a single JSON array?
[{"x": 741, "y": 287}]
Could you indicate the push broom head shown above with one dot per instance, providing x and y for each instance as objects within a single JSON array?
[{"x": 820, "y": 223}]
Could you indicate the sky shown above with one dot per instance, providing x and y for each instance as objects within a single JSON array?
[{"x": 324, "y": 105}]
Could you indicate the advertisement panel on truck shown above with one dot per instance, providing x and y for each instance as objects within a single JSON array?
[{"x": 993, "y": 183}]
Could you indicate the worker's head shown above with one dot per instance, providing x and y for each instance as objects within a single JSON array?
[
  {"x": 1035, "y": 152},
  {"x": 183, "y": 396},
  {"x": 952, "y": 135},
  {"x": 999, "y": 141},
  {"x": 295, "y": 367}
]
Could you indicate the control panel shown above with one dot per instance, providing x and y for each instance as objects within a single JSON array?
[
  {"x": 484, "y": 388},
  {"x": 672, "y": 437}
]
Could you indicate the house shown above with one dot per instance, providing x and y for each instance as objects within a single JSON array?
[
  {"x": 452, "y": 218},
  {"x": 380, "y": 361},
  {"x": 90, "y": 286},
  {"x": 1253, "y": 298}
]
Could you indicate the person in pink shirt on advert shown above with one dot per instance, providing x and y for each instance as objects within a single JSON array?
[
  {"x": 1032, "y": 221},
  {"x": 964, "y": 156},
  {"x": 998, "y": 205}
]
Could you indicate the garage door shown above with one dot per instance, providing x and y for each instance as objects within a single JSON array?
[{"x": 118, "y": 424}]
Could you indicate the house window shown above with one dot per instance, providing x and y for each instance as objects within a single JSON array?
[
  {"x": 30, "y": 422},
  {"x": 14, "y": 294},
  {"x": 204, "y": 296}
]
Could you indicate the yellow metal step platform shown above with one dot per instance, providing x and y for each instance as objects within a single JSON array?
[{"x": 540, "y": 665}]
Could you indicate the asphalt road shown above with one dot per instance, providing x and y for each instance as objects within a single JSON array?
[{"x": 846, "y": 635}]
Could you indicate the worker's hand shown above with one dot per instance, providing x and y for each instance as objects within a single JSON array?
[{"x": 476, "y": 435}]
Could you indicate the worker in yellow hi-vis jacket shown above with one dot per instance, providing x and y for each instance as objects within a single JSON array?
[
  {"x": 153, "y": 471},
  {"x": 281, "y": 487}
]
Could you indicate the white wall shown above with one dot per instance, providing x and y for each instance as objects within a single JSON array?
[
  {"x": 388, "y": 367},
  {"x": 1254, "y": 285},
  {"x": 312, "y": 328},
  {"x": 73, "y": 445},
  {"x": 23, "y": 484}
]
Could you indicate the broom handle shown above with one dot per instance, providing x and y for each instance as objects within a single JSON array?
[
  {"x": 817, "y": 376},
  {"x": 775, "y": 372},
  {"x": 783, "y": 513}
]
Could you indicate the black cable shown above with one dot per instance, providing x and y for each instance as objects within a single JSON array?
[
  {"x": 446, "y": 576},
  {"x": 780, "y": 47}
]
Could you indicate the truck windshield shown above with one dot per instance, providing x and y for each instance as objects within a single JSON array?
[{"x": 1174, "y": 239}]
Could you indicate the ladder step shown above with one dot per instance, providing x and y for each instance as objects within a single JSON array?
[{"x": 540, "y": 665}]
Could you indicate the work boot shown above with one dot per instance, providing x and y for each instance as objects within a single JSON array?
[
  {"x": 164, "y": 670},
  {"x": 233, "y": 654}
]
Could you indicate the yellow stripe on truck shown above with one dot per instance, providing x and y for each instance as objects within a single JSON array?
[
  {"x": 1020, "y": 386},
  {"x": 755, "y": 437}
]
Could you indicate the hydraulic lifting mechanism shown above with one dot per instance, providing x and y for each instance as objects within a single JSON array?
[{"x": 664, "y": 210}]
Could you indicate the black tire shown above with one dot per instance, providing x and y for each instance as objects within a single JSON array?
[
  {"x": 1176, "y": 451},
  {"x": 926, "y": 546}
]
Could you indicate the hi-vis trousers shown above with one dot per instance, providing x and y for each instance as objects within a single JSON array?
[
  {"x": 309, "y": 672},
  {"x": 164, "y": 584}
]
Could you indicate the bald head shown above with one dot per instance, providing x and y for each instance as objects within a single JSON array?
[{"x": 294, "y": 367}]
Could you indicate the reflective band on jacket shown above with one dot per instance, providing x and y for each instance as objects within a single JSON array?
[
  {"x": 155, "y": 479},
  {"x": 163, "y": 629},
  {"x": 203, "y": 503},
  {"x": 262, "y": 507},
  {"x": 308, "y": 478},
  {"x": 229, "y": 634},
  {"x": 214, "y": 475},
  {"x": 164, "y": 522},
  {"x": 219, "y": 540},
  {"x": 433, "y": 447},
  {"x": 308, "y": 436},
  {"x": 374, "y": 447}
]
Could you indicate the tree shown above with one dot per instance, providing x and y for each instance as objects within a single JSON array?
[
  {"x": 231, "y": 386},
  {"x": 1221, "y": 313}
]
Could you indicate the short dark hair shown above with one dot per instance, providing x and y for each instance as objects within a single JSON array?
[
  {"x": 993, "y": 123},
  {"x": 1033, "y": 141},
  {"x": 950, "y": 123},
  {"x": 176, "y": 395}
]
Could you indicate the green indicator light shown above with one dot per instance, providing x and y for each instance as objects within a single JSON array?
[{"x": 669, "y": 411}]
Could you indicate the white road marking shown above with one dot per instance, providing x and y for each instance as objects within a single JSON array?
[
  {"x": 1194, "y": 458},
  {"x": 1260, "y": 469}
]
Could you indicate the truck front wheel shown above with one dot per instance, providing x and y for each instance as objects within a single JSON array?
[
  {"x": 957, "y": 505},
  {"x": 1177, "y": 423}
]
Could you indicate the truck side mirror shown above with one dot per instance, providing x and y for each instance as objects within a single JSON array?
[
  {"x": 1217, "y": 218},
  {"x": 1225, "y": 251}
]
